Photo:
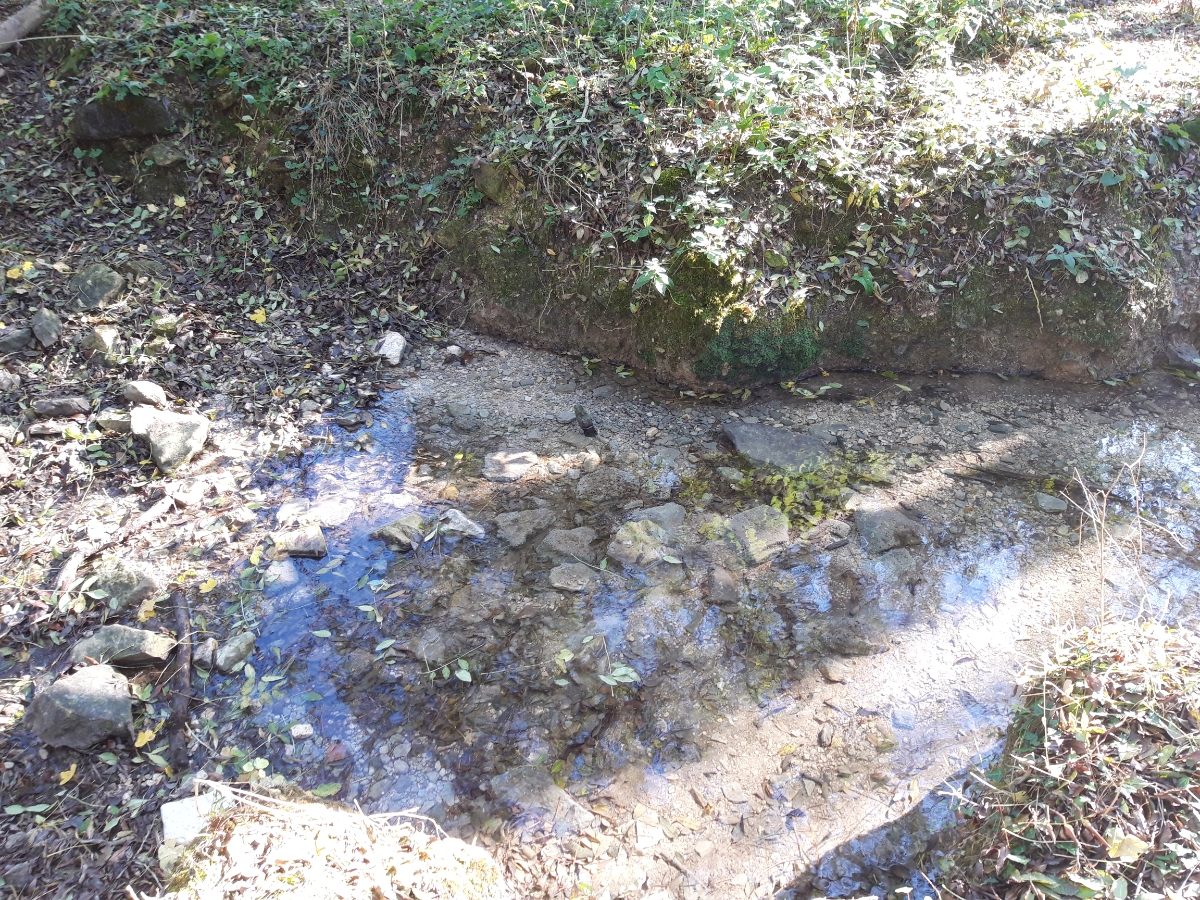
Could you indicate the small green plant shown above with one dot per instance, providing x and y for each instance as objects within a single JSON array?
[{"x": 793, "y": 388}]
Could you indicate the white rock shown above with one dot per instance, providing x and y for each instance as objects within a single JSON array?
[
  {"x": 145, "y": 392},
  {"x": 454, "y": 522},
  {"x": 391, "y": 347},
  {"x": 301, "y": 731}
]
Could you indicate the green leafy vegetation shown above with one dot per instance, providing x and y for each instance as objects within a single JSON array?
[{"x": 832, "y": 160}]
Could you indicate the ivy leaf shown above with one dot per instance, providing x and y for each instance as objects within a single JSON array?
[
  {"x": 1108, "y": 179},
  {"x": 326, "y": 790}
]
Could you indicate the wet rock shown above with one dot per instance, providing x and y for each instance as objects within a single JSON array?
[
  {"x": 60, "y": 407},
  {"x": 897, "y": 567},
  {"x": 145, "y": 392},
  {"x": 574, "y": 577},
  {"x": 115, "y": 420},
  {"x": 109, "y": 119},
  {"x": 14, "y": 338},
  {"x": 97, "y": 286},
  {"x": 406, "y": 532},
  {"x": 536, "y": 800},
  {"x": 1048, "y": 503},
  {"x": 123, "y": 646},
  {"x": 669, "y": 516},
  {"x": 174, "y": 438},
  {"x": 301, "y": 731},
  {"x": 565, "y": 416},
  {"x": 885, "y": 528},
  {"x": 515, "y": 528},
  {"x": 722, "y": 586},
  {"x": 127, "y": 583},
  {"x": 204, "y": 656},
  {"x": 102, "y": 339},
  {"x": 390, "y": 348},
  {"x": 9, "y": 381},
  {"x": 777, "y": 447},
  {"x": 304, "y": 543},
  {"x": 569, "y": 544},
  {"x": 849, "y": 638},
  {"x": 584, "y": 418},
  {"x": 80, "y": 710},
  {"x": 508, "y": 465},
  {"x": 606, "y": 485},
  {"x": 234, "y": 652},
  {"x": 47, "y": 327},
  {"x": 762, "y": 532},
  {"x": 452, "y": 521},
  {"x": 464, "y": 416},
  {"x": 639, "y": 543},
  {"x": 1000, "y": 428}
]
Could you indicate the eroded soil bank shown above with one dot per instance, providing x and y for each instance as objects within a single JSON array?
[{"x": 605, "y": 660}]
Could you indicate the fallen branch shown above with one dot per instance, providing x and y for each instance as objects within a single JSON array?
[
  {"x": 22, "y": 23},
  {"x": 84, "y": 550},
  {"x": 181, "y": 690}
]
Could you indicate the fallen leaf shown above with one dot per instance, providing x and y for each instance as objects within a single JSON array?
[
  {"x": 67, "y": 774},
  {"x": 259, "y": 316},
  {"x": 144, "y": 737},
  {"x": 326, "y": 790},
  {"x": 208, "y": 586}
]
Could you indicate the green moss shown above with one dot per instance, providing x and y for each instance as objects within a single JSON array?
[
  {"x": 853, "y": 345},
  {"x": 760, "y": 348}
]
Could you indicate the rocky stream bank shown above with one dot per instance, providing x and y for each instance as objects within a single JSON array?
[{"x": 723, "y": 646}]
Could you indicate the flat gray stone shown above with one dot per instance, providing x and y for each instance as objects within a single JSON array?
[
  {"x": 897, "y": 567},
  {"x": 97, "y": 286},
  {"x": 47, "y": 327},
  {"x": 406, "y": 532},
  {"x": 574, "y": 577},
  {"x": 508, "y": 465},
  {"x": 124, "y": 646},
  {"x": 62, "y": 407},
  {"x": 205, "y": 655},
  {"x": 305, "y": 543},
  {"x": 1048, "y": 503},
  {"x": 722, "y": 586},
  {"x": 515, "y": 528},
  {"x": 574, "y": 544},
  {"x": 114, "y": 420},
  {"x": 80, "y": 710},
  {"x": 762, "y": 532},
  {"x": 145, "y": 392},
  {"x": 793, "y": 453},
  {"x": 885, "y": 528},
  {"x": 14, "y": 339},
  {"x": 174, "y": 438},
  {"x": 607, "y": 485},
  {"x": 127, "y": 583},
  {"x": 234, "y": 652}
]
